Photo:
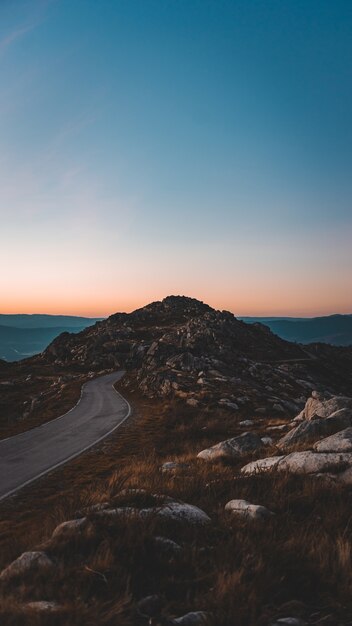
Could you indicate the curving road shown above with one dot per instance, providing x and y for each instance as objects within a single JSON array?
[{"x": 26, "y": 457}]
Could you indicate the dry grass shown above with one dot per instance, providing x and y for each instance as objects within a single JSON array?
[{"x": 297, "y": 563}]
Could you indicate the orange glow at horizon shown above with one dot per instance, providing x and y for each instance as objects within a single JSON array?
[{"x": 275, "y": 305}]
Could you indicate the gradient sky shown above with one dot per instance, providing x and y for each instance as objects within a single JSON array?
[{"x": 156, "y": 147}]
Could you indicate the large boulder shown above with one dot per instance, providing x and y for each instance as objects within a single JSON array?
[
  {"x": 301, "y": 463},
  {"x": 314, "y": 462},
  {"x": 319, "y": 406},
  {"x": 27, "y": 562},
  {"x": 232, "y": 448},
  {"x": 310, "y": 431},
  {"x": 339, "y": 442}
]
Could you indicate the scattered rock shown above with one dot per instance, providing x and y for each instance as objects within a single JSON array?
[
  {"x": 28, "y": 561},
  {"x": 232, "y": 448},
  {"x": 173, "y": 467},
  {"x": 248, "y": 510},
  {"x": 267, "y": 441},
  {"x": 43, "y": 605},
  {"x": 246, "y": 423}
]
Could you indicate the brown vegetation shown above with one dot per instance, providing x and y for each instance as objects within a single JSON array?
[{"x": 246, "y": 573}]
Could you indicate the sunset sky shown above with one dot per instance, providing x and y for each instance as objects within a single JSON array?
[{"x": 157, "y": 147}]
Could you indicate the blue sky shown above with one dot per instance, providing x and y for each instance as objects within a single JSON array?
[{"x": 151, "y": 147}]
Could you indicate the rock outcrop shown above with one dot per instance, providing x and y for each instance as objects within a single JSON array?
[{"x": 232, "y": 448}]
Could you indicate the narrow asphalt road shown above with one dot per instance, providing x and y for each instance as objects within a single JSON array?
[{"x": 27, "y": 456}]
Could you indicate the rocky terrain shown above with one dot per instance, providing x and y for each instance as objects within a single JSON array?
[{"x": 226, "y": 501}]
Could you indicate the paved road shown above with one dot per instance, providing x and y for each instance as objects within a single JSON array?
[{"x": 27, "y": 456}]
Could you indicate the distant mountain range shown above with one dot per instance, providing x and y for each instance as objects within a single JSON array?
[
  {"x": 22, "y": 336},
  {"x": 333, "y": 329}
]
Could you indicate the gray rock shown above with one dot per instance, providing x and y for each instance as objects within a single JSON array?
[
  {"x": 301, "y": 463},
  {"x": 246, "y": 423},
  {"x": 245, "y": 509},
  {"x": 314, "y": 462},
  {"x": 173, "y": 467},
  {"x": 232, "y": 448},
  {"x": 267, "y": 441},
  {"x": 183, "y": 513},
  {"x": 262, "y": 465},
  {"x": 339, "y": 442},
  {"x": 316, "y": 429},
  {"x": 179, "y": 512},
  {"x": 28, "y": 561},
  {"x": 318, "y": 405}
]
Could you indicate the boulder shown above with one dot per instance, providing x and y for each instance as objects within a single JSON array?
[
  {"x": 339, "y": 442},
  {"x": 246, "y": 423},
  {"x": 262, "y": 465},
  {"x": 178, "y": 512},
  {"x": 314, "y": 462},
  {"x": 27, "y": 562},
  {"x": 245, "y": 509},
  {"x": 318, "y": 405},
  {"x": 316, "y": 429},
  {"x": 232, "y": 448},
  {"x": 183, "y": 513},
  {"x": 301, "y": 463}
]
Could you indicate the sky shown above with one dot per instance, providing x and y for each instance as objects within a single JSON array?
[{"x": 157, "y": 147}]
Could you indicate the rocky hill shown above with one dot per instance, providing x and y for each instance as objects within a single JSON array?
[
  {"x": 177, "y": 349},
  {"x": 181, "y": 347}
]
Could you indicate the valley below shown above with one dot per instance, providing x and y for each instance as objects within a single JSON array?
[{"x": 223, "y": 499}]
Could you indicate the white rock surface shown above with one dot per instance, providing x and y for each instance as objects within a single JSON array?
[
  {"x": 43, "y": 605},
  {"x": 339, "y": 442},
  {"x": 301, "y": 463},
  {"x": 314, "y": 462},
  {"x": 245, "y": 509}
]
